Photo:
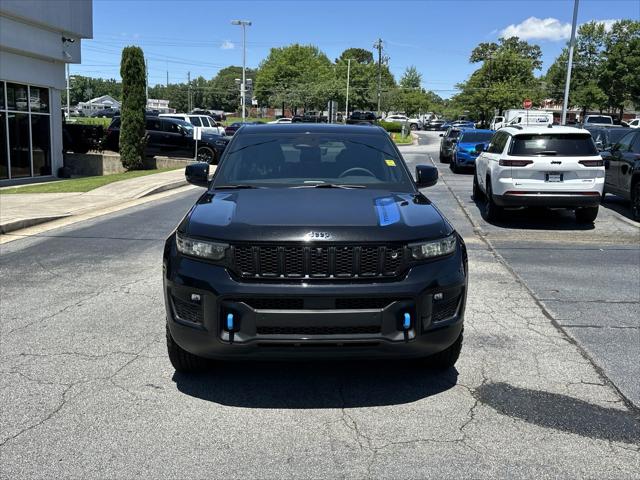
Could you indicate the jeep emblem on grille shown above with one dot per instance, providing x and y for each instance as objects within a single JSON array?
[{"x": 317, "y": 236}]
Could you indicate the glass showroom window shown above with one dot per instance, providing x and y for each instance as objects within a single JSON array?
[{"x": 25, "y": 131}]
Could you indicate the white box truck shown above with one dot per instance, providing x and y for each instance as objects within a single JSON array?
[{"x": 522, "y": 117}]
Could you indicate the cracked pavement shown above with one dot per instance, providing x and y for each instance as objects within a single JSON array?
[{"x": 87, "y": 390}]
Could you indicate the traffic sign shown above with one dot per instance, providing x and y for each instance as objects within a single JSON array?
[
  {"x": 527, "y": 104},
  {"x": 197, "y": 133}
]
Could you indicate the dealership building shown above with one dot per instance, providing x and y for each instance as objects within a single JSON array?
[{"x": 37, "y": 39}]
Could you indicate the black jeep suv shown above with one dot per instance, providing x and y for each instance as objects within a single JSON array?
[
  {"x": 313, "y": 240},
  {"x": 172, "y": 138}
]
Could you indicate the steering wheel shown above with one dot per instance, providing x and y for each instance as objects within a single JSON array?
[{"x": 357, "y": 169}]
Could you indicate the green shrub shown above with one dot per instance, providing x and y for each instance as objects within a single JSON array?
[
  {"x": 395, "y": 127},
  {"x": 134, "y": 102}
]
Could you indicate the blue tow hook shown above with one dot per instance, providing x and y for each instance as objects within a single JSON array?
[
  {"x": 406, "y": 325},
  {"x": 230, "y": 327}
]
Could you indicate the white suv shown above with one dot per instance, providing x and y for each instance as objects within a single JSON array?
[
  {"x": 414, "y": 123},
  {"x": 556, "y": 167},
  {"x": 207, "y": 123}
]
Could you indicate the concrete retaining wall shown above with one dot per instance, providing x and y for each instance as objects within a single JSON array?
[{"x": 95, "y": 164}]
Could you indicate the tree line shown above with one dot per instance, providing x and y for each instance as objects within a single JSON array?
[
  {"x": 605, "y": 76},
  {"x": 296, "y": 77}
]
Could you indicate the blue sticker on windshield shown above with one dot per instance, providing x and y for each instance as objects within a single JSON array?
[{"x": 388, "y": 211}]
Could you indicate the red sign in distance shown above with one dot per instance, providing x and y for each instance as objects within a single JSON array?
[{"x": 527, "y": 104}]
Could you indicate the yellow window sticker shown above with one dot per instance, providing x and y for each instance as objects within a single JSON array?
[{"x": 390, "y": 163}]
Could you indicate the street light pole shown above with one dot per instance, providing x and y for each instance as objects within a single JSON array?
[
  {"x": 346, "y": 108},
  {"x": 569, "y": 63},
  {"x": 243, "y": 88}
]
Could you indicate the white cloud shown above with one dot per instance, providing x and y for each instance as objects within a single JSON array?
[
  {"x": 227, "y": 45},
  {"x": 608, "y": 23},
  {"x": 534, "y": 28},
  {"x": 551, "y": 29}
]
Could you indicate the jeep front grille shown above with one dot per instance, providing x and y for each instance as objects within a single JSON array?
[{"x": 321, "y": 261}]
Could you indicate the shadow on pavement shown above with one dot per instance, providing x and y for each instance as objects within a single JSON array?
[
  {"x": 301, "y": 385},
  {"x": 551, "y": 410},
  {"x": 617, "y": 204},
  {"x": 538, "y": 219}
]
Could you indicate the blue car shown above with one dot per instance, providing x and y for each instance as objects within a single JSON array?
[{"x": 464, "y": 151}]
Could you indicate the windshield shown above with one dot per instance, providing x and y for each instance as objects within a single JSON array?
[
  {"x": 600, "y": 120},
  {"x": 453, "y": 133},
  {"x": 568, "y": 145},
  {"x": 476, "y": 137},
  {"x": 185, "y": 125},
  {"x": 616, "y": 134},
  {"x": 310, "y": 159}
]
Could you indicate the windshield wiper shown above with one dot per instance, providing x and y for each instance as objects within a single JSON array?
[
  {"x": 330, "y": 185},
  {"x": 234, "y": 187},
  {"x": 252, "y": 145},
  {"x": 546, "y": 152}
]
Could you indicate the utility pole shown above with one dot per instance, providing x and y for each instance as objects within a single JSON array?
[
  {"x": 346, "y": 108},
  {"x": 189, "y": 90},
  {"x": 68, "y": 94},
  {"x": 243, "y": 89},
  {"x": 378, "y": 46},
  {"x": 570, "y": 63}
]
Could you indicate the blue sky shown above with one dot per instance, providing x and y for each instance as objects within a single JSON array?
[{"x": 435, "y": 36}]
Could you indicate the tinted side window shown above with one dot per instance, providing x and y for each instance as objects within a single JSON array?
[
  {"x": 206, "y": 122},
  {"x": 624, "y": 145},
  {"x": 153, "y": 124},
  {"x": 498, "y": 142},
  {"x": 170, "y": 127},
  {"x": 195, "y": 121},
  {"x": 635, "y": 148}
]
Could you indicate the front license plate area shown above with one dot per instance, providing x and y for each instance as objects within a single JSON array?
[{"x": 553, "y": 177}]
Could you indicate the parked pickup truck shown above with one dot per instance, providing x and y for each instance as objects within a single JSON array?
[
  {"x": 361, "y": 118},
  {"x": 309, "y": 117}
]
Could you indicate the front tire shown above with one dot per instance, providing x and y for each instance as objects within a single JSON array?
[
  {"x": 586, "y": 214},
  {"x": 635, "y": 201},
  {"x": 205, "y": 154},
  {"x": 447, "y": 358},
  {"x": 453, "y": 165},
  {"x": 182, "y": 360},
  {"x": 477, "y": 193},
  {"x": 413, "y": 126}
]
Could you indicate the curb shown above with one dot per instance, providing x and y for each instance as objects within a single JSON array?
[
  {"x": 28, "y": 222},
  {"x": 163, "y": 188}
]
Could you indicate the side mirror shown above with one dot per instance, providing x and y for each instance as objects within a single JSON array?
[
  {"x": 197, "y": 174},
  {"x": 480, "y": 148},
  {"x": 426, "y": 176},
  {"x": 441, "y": 135}
]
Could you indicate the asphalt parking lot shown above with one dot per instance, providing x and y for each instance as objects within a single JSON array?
[
  {"x": 544, "y": 386},
  {"x": 587, "y": 277}
]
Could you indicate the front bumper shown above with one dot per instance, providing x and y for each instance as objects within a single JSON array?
[
  {"x": 304, "y": 319},
  {"x": 465, "y": 160}
]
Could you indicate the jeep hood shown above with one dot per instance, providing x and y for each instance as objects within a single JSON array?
[{"x": 286, "y": 214}]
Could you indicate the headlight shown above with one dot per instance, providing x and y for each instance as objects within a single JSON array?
[
  {"x": 434, "y": 248},
  {"x": 200, "y": 248}
]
